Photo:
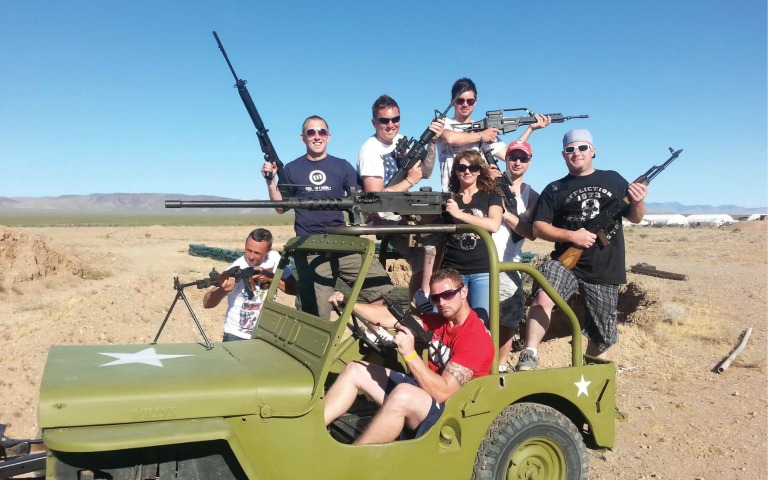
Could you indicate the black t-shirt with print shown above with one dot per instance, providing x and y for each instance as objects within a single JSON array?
[
  {"x": 466, "y": 252},
  {"x": 570, "y": 203}
]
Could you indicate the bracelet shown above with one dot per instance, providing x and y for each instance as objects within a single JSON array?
[
  {"x": 410, "y": 357},
  {"x": 409, "y": 181}
]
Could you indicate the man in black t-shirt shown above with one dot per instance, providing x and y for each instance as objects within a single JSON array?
[
  {"x": 320, "y": 175},
  {"x": 564, "y": 208}
]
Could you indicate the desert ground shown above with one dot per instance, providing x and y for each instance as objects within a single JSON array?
[{"x": 106, "y": 285}]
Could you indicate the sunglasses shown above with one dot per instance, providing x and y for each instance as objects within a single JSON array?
[
  {"x": 446, "y": 295},
  {"x": 312, "y": 132},
  {"x": 470, "y": 101},
  {"x": 385, "y": 121},
  {"x": 461, "y": 168},
  {"x": 581, "y": 148},
  {"x": 519, "y": 158}
]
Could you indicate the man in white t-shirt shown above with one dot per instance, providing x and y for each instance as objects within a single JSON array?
[
  {"x": 454, "y": 141},
  {"x": 377, "y": 164},
  {"x": 242, "y": 311}
]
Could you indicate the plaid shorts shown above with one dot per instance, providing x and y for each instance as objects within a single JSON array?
[{"x": 600, "y": 301}]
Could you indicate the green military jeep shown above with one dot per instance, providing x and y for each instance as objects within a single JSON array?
[{"x": 254, "y": 409}]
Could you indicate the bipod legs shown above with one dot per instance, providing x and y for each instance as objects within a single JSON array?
[{"x": 179, "y": 287}]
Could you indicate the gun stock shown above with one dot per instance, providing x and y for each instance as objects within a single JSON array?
[{"x": 597, "y": 225}]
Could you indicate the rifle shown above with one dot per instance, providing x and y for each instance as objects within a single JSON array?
[
  {"x": 504, "y": 184},
  {"x": 496, "y": 119},
  {"x": 409, "y": 321},
  {"x": 603, "y": 220},
  {"x": 270, "y": 155},
  {"x": 411, "y": 151},
  {"x": 215, "y": 278},
  {"x": 358, "y": 204}
]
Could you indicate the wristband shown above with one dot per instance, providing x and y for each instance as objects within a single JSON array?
[{"x": 410, "y": 357}]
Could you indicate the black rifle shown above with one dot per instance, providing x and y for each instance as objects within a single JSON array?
[
  {"x": 496, "y": 119},
  {"x": 606, "y": 217},
  {"x": 359, "y": 205},
  {"x": 270, "y": 155},
  {"x": 504, "y": 184},
  {"x": 409, "y": 321},
  {"x": 411, "y": 151}
]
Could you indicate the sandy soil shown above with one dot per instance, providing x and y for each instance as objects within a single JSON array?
[{"x": 102, "y": 285}]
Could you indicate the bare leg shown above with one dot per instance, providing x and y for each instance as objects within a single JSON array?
[
  {"x": 506, "y": 334},
  {"x": 357, "y": 376},
  {"x": 406, "y": 406},
  {"x": 592, "y": 351},
  {"x": 430, "y": 252},
  {"x": 539, "y": 316}
]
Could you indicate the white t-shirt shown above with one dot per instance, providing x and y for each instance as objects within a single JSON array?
[
  {"x": 377, "y": 159},
  {"x": 242, "y": 313},
  {"x": 507, "y": 249},
  {"x": 446, "y": 153}
]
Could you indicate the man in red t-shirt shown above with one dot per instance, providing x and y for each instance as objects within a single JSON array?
[{"x": 461, "y": 349}]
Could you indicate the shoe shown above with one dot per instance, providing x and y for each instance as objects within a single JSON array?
[
  {"x": 527, "y": 361},
  {"x": 421, "y": 302},
  {"x": 504, "y": 368},
  {"x": 384, "y": 338}
]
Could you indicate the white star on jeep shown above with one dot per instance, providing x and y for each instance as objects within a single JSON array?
[
  {"x": 582, "y": 387},
  {"x": 148, "y": 356}
]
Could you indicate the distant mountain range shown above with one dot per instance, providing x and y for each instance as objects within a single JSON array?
[{"x": 155, "y": 203}]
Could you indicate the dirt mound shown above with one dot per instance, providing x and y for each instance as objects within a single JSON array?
[{"x": 24, "y": 258}]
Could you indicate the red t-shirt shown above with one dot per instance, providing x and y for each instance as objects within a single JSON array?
[{"x": 469, "y": 345}]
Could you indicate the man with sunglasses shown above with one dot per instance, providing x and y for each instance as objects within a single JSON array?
[
  {"x": 461, "y": 349},
  {"x": 510, "y": 247},
  {"x": 320, "y": 175},
  {"x": 377, "y": 163},
  {"x": 564, "y": 209},
  {"x": 454, "y": 141}
]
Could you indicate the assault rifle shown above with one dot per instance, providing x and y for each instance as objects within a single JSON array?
[
  {"x": 411, "y": 151},
  {"x": 410, "y": 205},
  {"x": 496, "y": 119},
  {"x": 270, "y": 155},
  {"x": 409, "y": 321},
  {"x": 606, "y": 217},
  {"x": 505, "y": 185}
]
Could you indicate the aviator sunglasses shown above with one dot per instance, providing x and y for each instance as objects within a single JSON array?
[
  {"x": 470, "y": 101},
  {"x": 446, "y": 295},
  {"x": 312, "y": 132},
  {"x": 385, "y": 121},
  {"x": 461, "y": 168},
  {"x": 581, "y": 148}
]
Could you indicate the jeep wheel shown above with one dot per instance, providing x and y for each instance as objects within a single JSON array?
[{"x": 533, "y": 442}]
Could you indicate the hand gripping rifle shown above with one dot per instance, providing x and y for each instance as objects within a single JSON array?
[
  {"x": 496, "y": 119},
  {"x": 358, "y": 204},
  {"x": 410, "y": 151},
  {"x": 603, "y": 220},
  {"x": 409, "y": 321},
  {"x": 270, "y": 155}
]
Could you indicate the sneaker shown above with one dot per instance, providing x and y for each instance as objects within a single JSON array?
[
  {"x": 421, "y": 302},
  {"x": 383, "y": 334},
  {"x": 527, "y": 361}
]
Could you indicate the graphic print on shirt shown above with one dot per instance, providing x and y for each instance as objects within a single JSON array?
[
  {"x": 249, "y": 310},
  {"x": 586, "y": 203},
  {"x": 390, "y": 166},
  {"x": 468, "y": 241},
  {"x": 317, "y": 178}
]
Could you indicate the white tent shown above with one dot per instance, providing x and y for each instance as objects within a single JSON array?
[
  {"x": 757, "y": 216},
  {"x": 666, "y": 220},
  {"x": 713, "y": 219}
]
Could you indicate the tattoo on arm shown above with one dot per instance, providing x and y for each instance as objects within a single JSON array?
[
  {"x": 461, "y": 374},
  {"x": 429, "y": 163}
]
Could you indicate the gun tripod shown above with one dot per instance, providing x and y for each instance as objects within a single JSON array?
[{"x": 179, "y": 287}]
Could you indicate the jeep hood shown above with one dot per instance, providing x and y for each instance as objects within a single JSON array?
[{"x": 109, "y": 384}]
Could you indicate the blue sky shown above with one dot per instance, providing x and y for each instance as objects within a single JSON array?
[{"x": 103, "y": 97}]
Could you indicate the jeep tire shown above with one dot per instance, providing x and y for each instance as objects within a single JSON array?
[{"x": 532, "y": 441}]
